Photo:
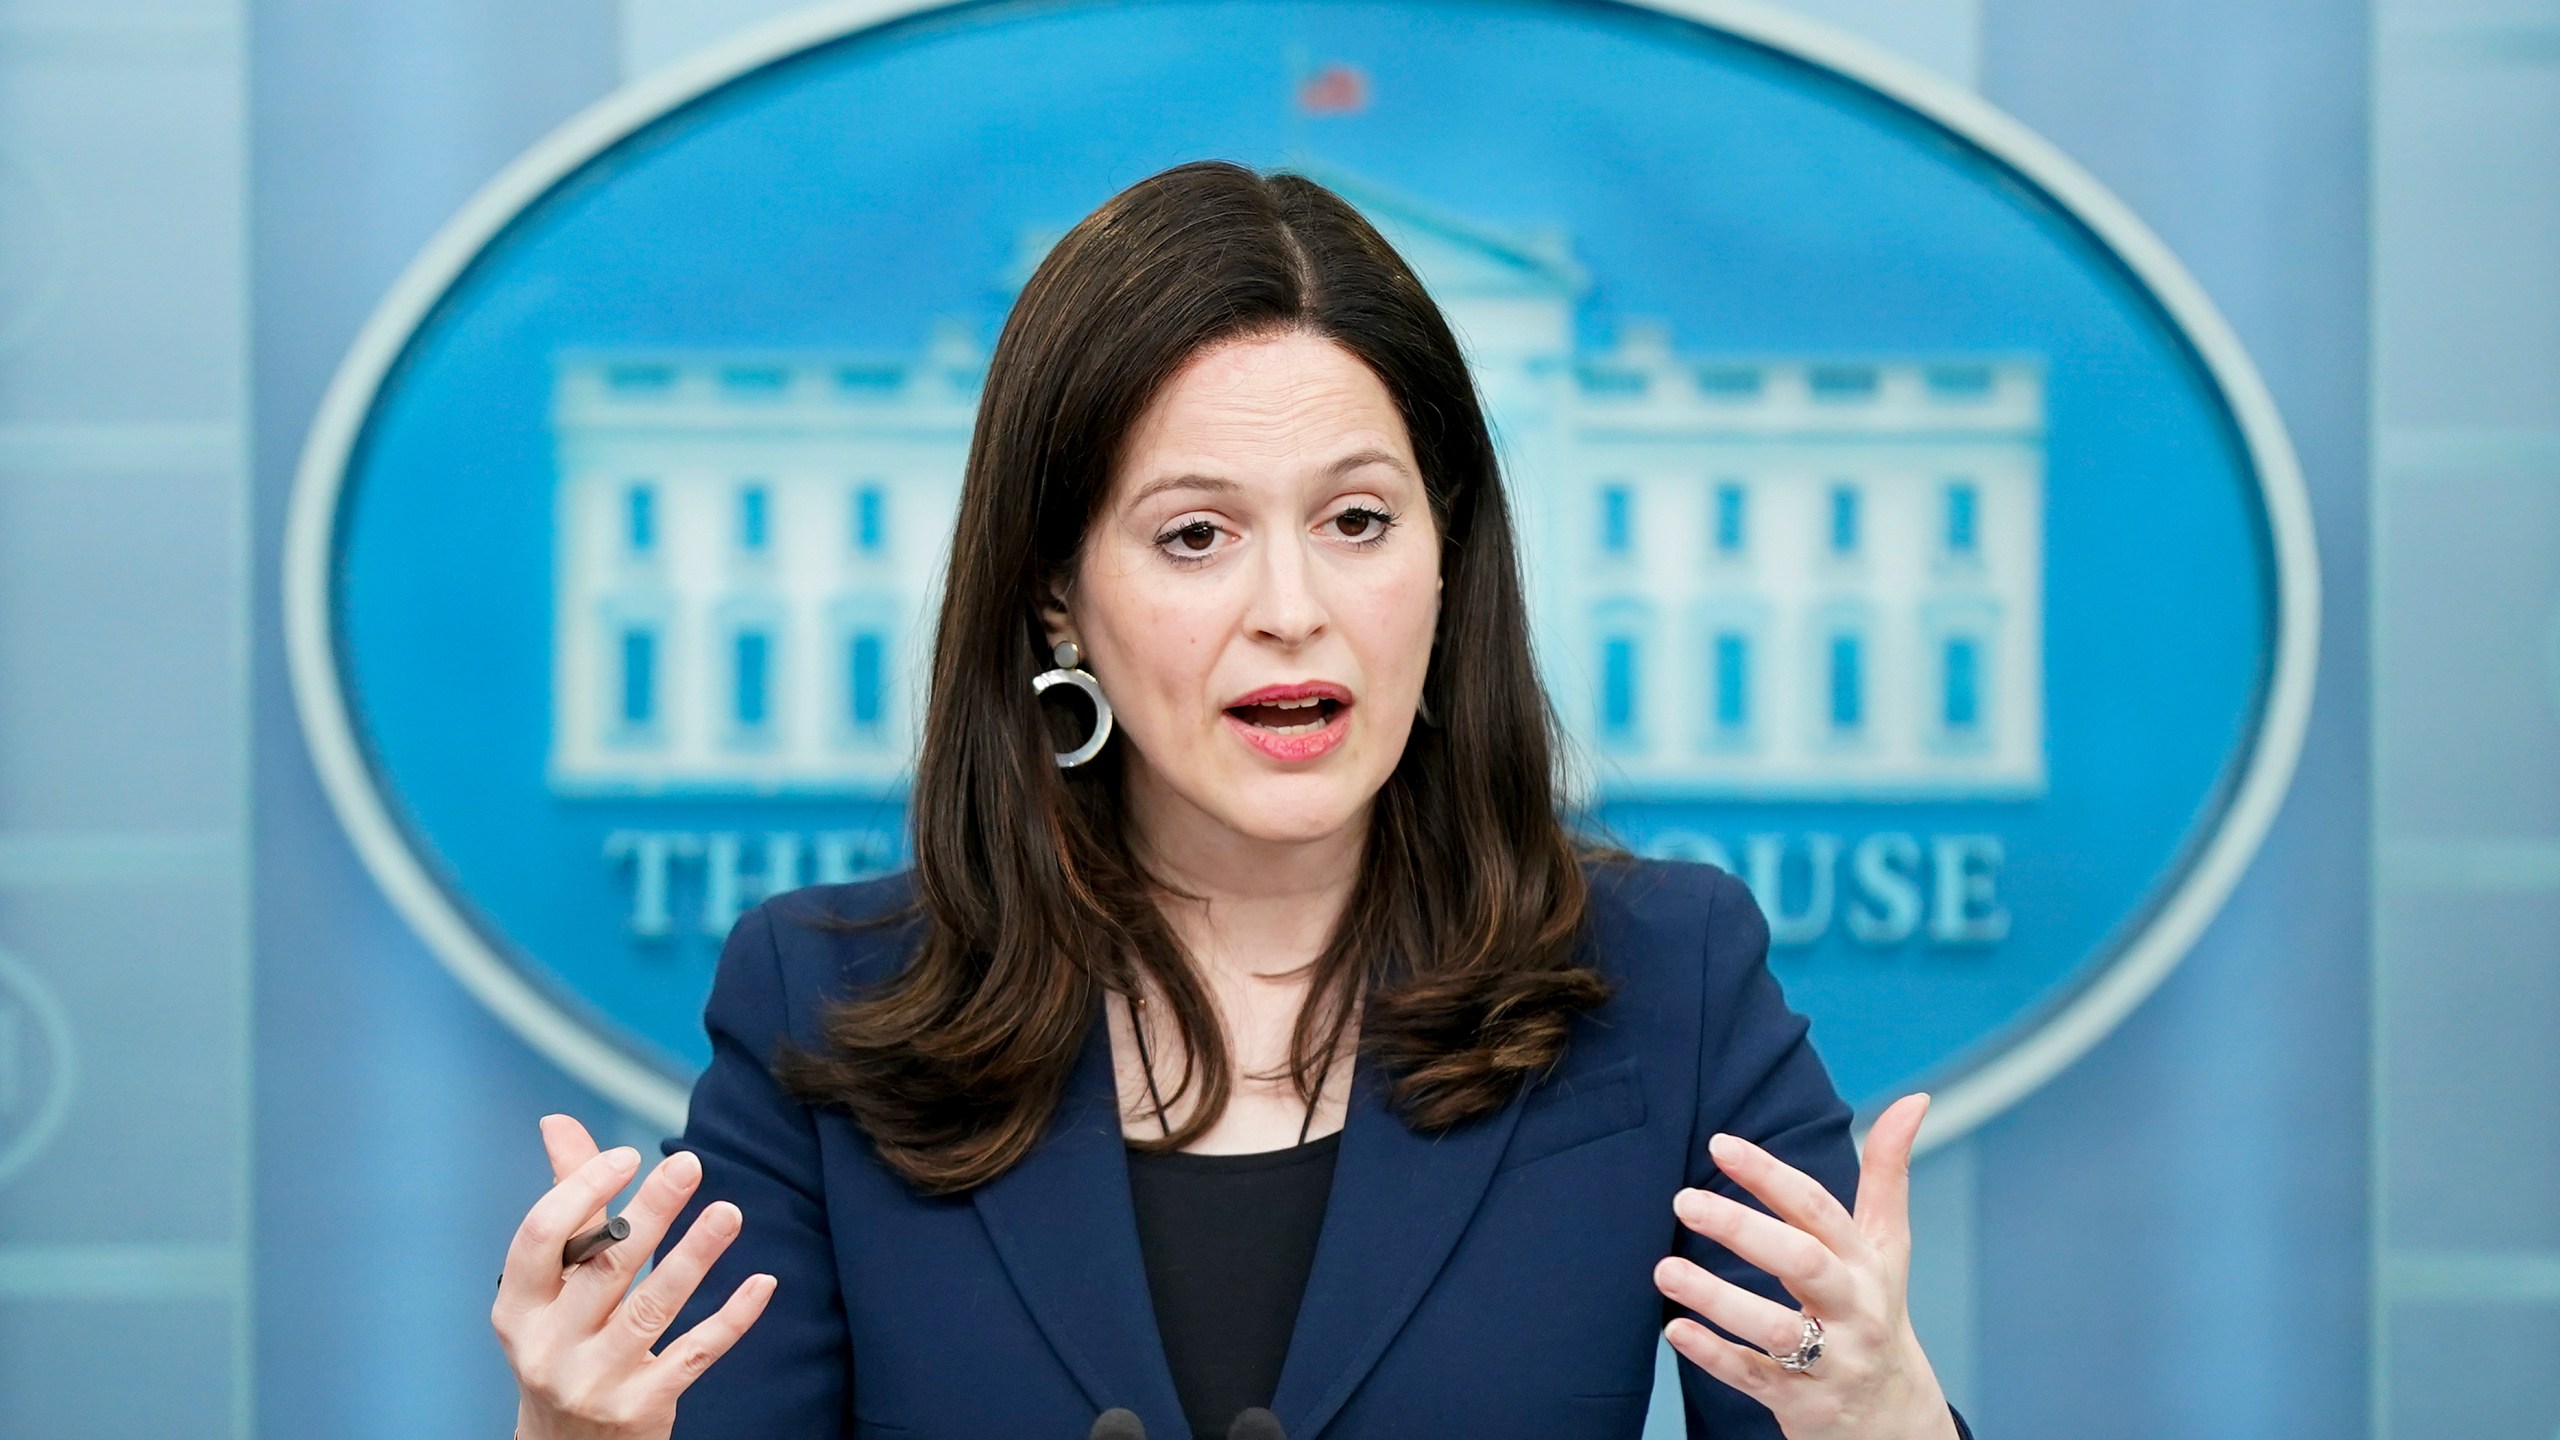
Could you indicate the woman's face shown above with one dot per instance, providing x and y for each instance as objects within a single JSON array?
[{"x": 1258, "y": 593}]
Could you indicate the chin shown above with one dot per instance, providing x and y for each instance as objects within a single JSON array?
[{"x": 1293, "y": 809}]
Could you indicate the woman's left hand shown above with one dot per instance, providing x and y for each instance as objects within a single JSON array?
[{"x": 1849, "y": 1270}]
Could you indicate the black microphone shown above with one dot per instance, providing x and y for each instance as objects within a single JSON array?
[
  {"x": 1118, "y": 1424},
  {"x": 1257, "y": 1424}
]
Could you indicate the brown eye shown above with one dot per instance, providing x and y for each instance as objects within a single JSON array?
[
  {"x": 1197, "y": 536},
  {"x": 1360, "y": 524}
]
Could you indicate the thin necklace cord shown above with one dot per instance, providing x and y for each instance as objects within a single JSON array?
[{"x": 1146, "y": 1062}]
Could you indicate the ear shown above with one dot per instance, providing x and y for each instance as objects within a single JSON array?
[{"x": 1056, "y": 623}]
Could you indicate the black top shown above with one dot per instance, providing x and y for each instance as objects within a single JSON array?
[{"x": 1228, "y": 1240}]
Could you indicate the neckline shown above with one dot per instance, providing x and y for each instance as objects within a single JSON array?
[
  {"x": 1137, "y": 1002},
  {"x": 1319, "y": 1148}
]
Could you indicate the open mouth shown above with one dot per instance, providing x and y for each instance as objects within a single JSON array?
[
  {"x": 1292, "y": 723},
  {"x": 1289, "y": 717}
]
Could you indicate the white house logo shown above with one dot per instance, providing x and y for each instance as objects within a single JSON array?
[
  {"x": 1903, "y": 530},
  {"x": 1792, "y": 577}
]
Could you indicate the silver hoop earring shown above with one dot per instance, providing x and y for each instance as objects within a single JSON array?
[
  {"x": 1422, "y": 711},
  {"x": 1069, "y": 672}
]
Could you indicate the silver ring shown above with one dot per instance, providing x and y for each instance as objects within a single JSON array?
[{"x": 1808, "y": 1349}]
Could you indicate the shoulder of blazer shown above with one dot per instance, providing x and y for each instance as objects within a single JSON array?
[
  {"x": 832, "y": 940},
  {"x": 1648, "y": 913}
]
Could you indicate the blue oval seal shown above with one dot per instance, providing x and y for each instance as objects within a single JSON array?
[{"x": 1910, "y": 534}]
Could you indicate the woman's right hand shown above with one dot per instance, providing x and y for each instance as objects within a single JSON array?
[{"x": 579, "y": 1339}]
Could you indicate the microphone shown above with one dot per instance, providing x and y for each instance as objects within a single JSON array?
[
  {"x": 1117, "y": 1424},
  {"x": 1256, "y": 1424}
]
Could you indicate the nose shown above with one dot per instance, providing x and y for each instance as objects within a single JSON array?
[{"x": 1286, "y": 609}]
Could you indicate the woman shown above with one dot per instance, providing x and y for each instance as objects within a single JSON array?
[{"x": 1397, "y": 1099}]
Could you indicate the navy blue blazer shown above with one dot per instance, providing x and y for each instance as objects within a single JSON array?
[{"x": 1493, "y": 1281}]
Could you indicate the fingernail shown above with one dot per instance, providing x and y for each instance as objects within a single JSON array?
[
  {"x": 683, "y": 1168},
  {"x": 623, "y": 1158},
  {"x": 1723, "y": 1146}
]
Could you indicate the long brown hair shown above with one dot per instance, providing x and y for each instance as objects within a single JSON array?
[{"x": 1460, "y": 942}]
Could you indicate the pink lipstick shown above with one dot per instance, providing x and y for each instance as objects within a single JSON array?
[{"x": 1292, "y": 722}]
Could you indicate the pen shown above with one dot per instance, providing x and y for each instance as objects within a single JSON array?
[{"x": 588, "y": 1244}]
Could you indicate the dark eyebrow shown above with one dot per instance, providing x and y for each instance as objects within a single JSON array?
[
  {"x": 1211, "y": 484},
  {"x": 1358, "y": 458}
]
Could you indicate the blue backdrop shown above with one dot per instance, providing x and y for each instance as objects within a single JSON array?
[
  {"x": 2136, "y": 1231},
  {"x": 840, "y": 201}
]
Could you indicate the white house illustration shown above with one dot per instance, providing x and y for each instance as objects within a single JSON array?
[{"x": 1752, "y": 576}]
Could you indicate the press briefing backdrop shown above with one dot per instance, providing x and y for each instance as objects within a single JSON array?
[
  {"x": 1943, "y": 545},
  {"x": 1903, "y": 527}
]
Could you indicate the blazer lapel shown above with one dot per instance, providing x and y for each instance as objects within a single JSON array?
[
  {"x": 1400, "y": 1201},
  {"x": 1062, "y": 1223}
]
